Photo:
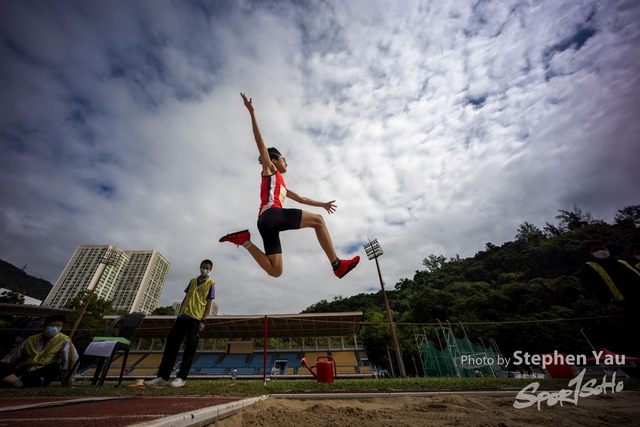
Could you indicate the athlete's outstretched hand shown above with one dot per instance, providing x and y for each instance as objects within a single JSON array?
[
  {"x": 247, "y": 102},
  {"x": 329, "y": 207}
]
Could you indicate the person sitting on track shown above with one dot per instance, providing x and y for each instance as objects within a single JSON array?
[{"x": 41, "y": 358}]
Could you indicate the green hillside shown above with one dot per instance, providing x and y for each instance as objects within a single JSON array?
[
  {"x": 13, "y": 278},
  {"x": 507, "y": 293}
]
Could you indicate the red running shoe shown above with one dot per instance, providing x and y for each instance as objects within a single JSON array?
[
  {"x": 239, "y": 237},
  {"x": 346, "y": 265}
]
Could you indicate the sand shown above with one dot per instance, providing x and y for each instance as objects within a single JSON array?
[{"x": 620, "y": 409}]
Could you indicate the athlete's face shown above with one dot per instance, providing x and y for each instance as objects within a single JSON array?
[{"x": 280, "y": 164}]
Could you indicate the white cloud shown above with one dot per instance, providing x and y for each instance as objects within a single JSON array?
[{"x": 436, "y": 128}]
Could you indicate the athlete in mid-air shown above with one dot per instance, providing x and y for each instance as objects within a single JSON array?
[{"x": 274, "y": 218}]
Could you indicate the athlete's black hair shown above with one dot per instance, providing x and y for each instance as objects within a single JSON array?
[
  {"x": 589, "y": 244},
  {"x": 55, "y": 318},
  {"x": 207, "y": 261},
  {"x": 274, "y": 154}
]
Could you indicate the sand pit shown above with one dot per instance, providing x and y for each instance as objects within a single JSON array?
[{"x": 621, "y": 409}]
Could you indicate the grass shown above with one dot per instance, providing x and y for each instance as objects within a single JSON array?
[{"x": 252, "y": 388}]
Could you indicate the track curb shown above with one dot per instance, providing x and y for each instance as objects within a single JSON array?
[{"x": 201, "y": 417}]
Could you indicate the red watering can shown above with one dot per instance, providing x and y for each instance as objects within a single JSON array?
[{"x": 326, "y": 369}]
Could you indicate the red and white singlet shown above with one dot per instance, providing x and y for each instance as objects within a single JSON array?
[{"x": 273, "y": 191}]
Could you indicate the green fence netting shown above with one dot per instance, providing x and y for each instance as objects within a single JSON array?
[{"x": 460, "y": 357}]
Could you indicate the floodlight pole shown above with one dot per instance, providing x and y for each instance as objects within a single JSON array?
[
  {"x": 108, "y": 259},
  {"x": 373, "y": 251}
]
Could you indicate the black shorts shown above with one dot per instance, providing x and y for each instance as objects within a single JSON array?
[{"x": 272, "y": 222}]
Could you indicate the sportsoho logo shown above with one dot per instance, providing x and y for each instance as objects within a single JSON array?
[
  {"x": 527, "y": 397},
  {"x": 591, "y": 388}
]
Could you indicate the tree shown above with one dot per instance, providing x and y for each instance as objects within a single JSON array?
[
  {"x": 434, "y": 263},
  {"x": 528, "y": 233},
  {"x": 375, "y": 336},
  {"x": 552, "y": 231},
  {"x": 164, "y": 311},
  {"x": 11, "y": 297},
  {"x": 92, "y": 323},
  {"x": 573, "y": 220},
  {"x": 629, "y": 216},
  {"x": 570, "y": 221}
]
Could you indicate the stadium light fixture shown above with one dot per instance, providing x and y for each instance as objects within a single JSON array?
[{"x": 373, "y": 251}]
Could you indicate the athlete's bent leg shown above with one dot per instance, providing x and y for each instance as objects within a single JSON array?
[
  {"x": 272, "y": 264},
  {"x": 315, "y": 221},
  {"x": 340, "y": 267}
]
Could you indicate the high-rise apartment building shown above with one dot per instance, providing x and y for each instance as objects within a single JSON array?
[
  {"x": 141, "y": 282},
  {"x": 83, "y": 271},
  {"x": 132, "y": 280}
]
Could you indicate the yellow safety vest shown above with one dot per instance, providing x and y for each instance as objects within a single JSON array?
[
  {"x": 196, "y": 299},
  {"x": 616, "y": 296}
]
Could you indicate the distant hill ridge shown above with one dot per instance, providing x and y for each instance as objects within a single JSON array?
[{"x": 13, "y": 278}]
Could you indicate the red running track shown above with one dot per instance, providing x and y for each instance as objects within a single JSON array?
[{"x": 88, "y": 412}]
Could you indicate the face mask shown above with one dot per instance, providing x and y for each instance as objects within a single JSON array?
[
  {"x": 601, "y": 254},
  {"x": 51, "y": 331},
  {"x": 204, "y": 272}
]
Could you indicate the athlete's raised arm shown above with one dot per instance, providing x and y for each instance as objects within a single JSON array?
[
  {"x": 330, "y": 207},
  {"x": 268, "y": 168}
]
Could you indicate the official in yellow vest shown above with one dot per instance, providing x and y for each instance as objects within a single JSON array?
[
  {"x": 635, "y": 250},
  {"x": 191, "y": 320},
  {"x": 41, "y": 358},
  {"x": 615, "y": 282}
]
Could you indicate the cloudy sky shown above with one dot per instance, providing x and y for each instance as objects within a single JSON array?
[{"x": 436, "y": 126}]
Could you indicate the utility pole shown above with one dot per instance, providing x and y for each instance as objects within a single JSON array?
[
  {"x": 108, "y": 259},
  {"x": 373, "y": 251}
]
